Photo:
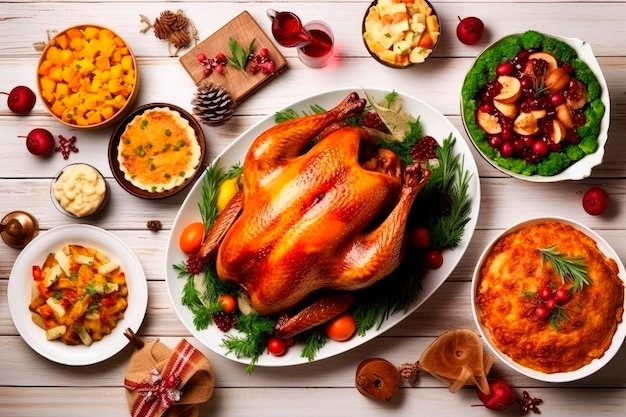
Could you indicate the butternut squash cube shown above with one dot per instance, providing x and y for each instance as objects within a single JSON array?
[{"x": 91, "y": 32}]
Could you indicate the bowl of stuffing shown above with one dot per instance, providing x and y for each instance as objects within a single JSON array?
[
  {"x": 548, "y": 299},
  {"x": 399, "y": 34},
  {"x": 536, "y": 106}
]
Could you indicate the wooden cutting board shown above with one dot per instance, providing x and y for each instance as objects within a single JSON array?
[{"x": 239, "y": 84}]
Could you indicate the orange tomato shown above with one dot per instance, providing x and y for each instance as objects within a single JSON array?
[
  {"x": 341, "y": 328},
  {"x": 191, "y": 238},
  {"x": 228, "y": 303}
]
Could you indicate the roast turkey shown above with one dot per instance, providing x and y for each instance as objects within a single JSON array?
[{"x": 322, "y": 213}]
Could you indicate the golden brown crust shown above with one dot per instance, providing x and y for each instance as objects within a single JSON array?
[
  {"x": 513, "y": 269},
  {"x": 158, "y": 150}
]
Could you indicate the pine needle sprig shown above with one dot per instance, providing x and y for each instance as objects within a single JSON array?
[{"x": 573, "y": 268}]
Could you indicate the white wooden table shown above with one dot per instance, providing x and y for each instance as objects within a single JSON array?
[{"x": 30, "y": 385}]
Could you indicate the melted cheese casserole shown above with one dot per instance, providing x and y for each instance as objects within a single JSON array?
[
  {"x": 511, "y": 275},
  {"x": 158, "y": 150}
]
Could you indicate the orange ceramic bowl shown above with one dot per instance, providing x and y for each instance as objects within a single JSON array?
[{"x": 87, "y": 77}]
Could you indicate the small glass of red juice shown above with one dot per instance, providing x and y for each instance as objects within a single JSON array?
[{"x": 319, "y": 50}]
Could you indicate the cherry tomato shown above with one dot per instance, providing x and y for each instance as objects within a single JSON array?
[
  {"x": 341, "y": 328},
  {"x": 434, "y": 258},
  {"x": 420, "y": 237},
  {"x": 191, "y": 238},
  {"x": 276, "y": 346},
  {"x": 228, "y": 303}
]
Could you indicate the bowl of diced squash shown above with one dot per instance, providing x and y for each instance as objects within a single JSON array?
[{"x": 87, "y": 77}]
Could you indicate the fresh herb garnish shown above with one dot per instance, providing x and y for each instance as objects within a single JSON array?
[
  {"x": 573, "y": 268},
  {"x": 452, "y": 179},
  {"x": 239, "y": 57},
  {"x": 256, "y": 329}
]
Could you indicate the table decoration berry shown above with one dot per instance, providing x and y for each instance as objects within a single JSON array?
[
  {"x": 21, "y": 99},
  {"x": 39, "y": 141}
]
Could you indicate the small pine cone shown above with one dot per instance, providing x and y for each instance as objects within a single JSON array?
[
  {"x": 161, "y": 30},
  {"x": 213, "y": 105},
  {"x": 180, "y": 23},
  {"x": 180, "y": 39},
  {"x": 168, "y": 18}
]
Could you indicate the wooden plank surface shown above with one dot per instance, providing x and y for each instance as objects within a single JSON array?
[{"x": 34, "y": 386}]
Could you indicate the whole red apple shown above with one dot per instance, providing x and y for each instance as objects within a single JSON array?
[
  {"x": 470, "y": 30},
  {"x": 595, "y": 201},
  {"x": 21, "y": 99}
]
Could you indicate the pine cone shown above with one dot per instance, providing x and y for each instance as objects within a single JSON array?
[
  {"x": 213, "y": 105},
  {"x": 180, "y": 39},
  {"x": 176, "y": 21},
  {"x": 168, "y": 17},
  {"x": 180, "y": 23},
  {"x": 161, "y": 29}
]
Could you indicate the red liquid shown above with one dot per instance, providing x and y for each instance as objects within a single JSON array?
[
  {"x": 287, "y": 29},
  {"x": 321, "y": 44}
]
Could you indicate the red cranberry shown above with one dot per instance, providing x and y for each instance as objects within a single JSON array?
[
  {"x": 540, "y": 148},
  {"x": 505, "y": 68},
  {"x": 486, "y": 108},
  {"x": 545, "y": 293},
  {"x": 518, "y": 144},
  {"x": 561, "y": 295},
  {"x": 551, "y": 304},
  {"x": 557, "y": 99},
  {"x": 495, "y": 141},
  {"x": 542, "y": 312},
  {"x": 526, "y": 82},
  {"x": 507, "y": 149},
  {"x": 507, "y": 133}
]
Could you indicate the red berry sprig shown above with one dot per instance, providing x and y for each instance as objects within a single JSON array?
[
  {"x": 261, "y": 62},
  {"x": 66, "y": 146},
  {"x": 216, "y": 64},
  {"x": 529, "y": 403}
]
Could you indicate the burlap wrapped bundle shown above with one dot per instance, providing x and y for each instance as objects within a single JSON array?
[{"x": 161, "y": 382}]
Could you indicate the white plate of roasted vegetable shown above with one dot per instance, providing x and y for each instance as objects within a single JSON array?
[
  {"x": 536, "y": 106},
  {"x": 316, "y": 198},
  {"x": 73, "y": 291}
]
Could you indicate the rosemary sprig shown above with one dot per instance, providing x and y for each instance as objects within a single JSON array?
[
  {"x": 573, "y": 268},
  {"x": 240, "y": 56},
  {"x": 454, "y": 179},
  {"x": 557, "y": 316}
]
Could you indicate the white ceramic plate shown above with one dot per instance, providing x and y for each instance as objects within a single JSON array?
[
  {"x": 596, "y": 364},
  {"x": 19, "y": 293},
  {"x": 580, "y": 169},
  {"x": 433, "y": 124}
]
